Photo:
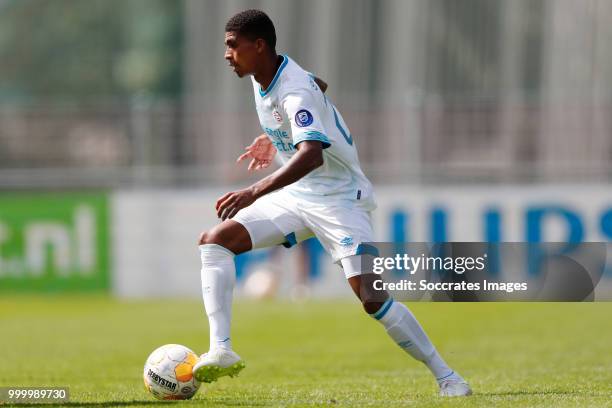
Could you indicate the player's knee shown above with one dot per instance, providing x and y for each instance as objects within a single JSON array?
[
  {"x": 210, "y": 237},
  {"x": 230, "y": 235},
  {"x": 371, "y": 307},
  {"x": 203, "y": 238}
]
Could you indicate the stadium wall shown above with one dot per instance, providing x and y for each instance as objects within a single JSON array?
[
  {"x": 154, "y": 233},
  {"x": 143, "y": 243}
]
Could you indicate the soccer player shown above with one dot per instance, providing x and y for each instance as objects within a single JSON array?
[{"x": 319, "y": 190}]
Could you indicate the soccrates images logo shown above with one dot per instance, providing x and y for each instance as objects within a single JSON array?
[{"x": 53, "y": 242}]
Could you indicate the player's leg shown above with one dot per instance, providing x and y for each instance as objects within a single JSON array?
[
  {"x": 342, "y": 232},
  {"x": 396, "y": 318},
  {"x": 269, "y": 221},
  {"x": 401, "y": 325},
  {"x": 217, "y": 250}
]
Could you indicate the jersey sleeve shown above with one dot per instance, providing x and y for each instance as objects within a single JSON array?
[{"x": 303, "y": 113}]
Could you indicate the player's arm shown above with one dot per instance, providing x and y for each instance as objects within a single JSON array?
[{"x": 308, "y": 157}]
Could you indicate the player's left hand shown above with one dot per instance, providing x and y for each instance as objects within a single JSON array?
[
  {"x": 261, "y": 151},
  {"x": 229, "y": 204}
]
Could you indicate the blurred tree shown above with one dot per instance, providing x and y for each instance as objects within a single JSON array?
[{"x": 90, "y": 49}]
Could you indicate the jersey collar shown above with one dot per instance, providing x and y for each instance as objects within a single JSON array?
[{"x": 263, "y": 93}]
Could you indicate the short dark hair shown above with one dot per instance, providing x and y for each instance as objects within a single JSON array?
[{"x": 253, "y": 24}]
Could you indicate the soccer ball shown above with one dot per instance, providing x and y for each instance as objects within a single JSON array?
[{"x": 168, "y": 373}]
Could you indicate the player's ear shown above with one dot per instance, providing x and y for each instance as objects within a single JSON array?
[{"x": 260, "y": 45}]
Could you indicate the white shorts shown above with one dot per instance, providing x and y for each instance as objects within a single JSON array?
[{"x": 279, "y": 218}]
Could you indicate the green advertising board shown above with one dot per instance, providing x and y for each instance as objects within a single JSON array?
[{"x": 54, "y": 242}]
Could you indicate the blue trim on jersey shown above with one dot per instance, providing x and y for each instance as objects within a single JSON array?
[
  {"x": 383, "y": 309},
  {"x": 263, "y": 93},
  {"x": 365, "y": 249},
  {"x": 312, "y": 135},
  {"x": 290, "y": 240},
  {"x": 349, "y": 138}
]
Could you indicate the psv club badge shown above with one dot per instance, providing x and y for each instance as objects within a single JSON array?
[{"x": 277, "y": 116}]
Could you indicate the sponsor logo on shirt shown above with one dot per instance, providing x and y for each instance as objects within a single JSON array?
[
  {"x": 280, "y": 139},
  {"x": 303, "y": 118}
]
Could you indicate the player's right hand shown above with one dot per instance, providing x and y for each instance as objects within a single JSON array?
[{"x": 261, "y": 151}]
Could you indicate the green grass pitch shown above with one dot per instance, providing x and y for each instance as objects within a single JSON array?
[{"x": 317, "y": 353}]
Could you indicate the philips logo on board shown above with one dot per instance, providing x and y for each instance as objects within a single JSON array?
[{"x": 536, "y": 223}]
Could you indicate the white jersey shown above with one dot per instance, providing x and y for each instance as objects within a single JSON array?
[{"x": 293, "y": 109}]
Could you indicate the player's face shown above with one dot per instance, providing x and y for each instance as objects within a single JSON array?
[{"x": 241, "y": 53}]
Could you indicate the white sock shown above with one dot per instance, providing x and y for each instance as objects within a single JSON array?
[
  {"x": 406, "y": 332},
  {"x": 218, "y": 279}
]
